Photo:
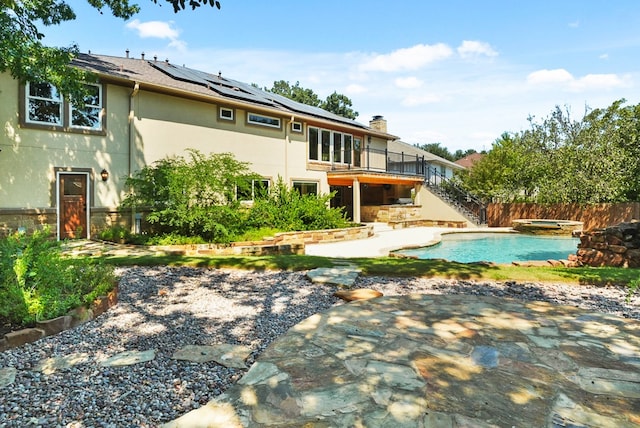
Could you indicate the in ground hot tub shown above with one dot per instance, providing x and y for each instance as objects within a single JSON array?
[{"x": 547, "y": 226}]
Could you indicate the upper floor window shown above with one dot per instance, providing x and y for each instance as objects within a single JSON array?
[
  {"x": 331, "y": 146},
  {"x": 296, "y": 127},
  {"x": 258, "y": 119},
  {"x": 88, "y": 116},
  {"x": 226, "y": 113},
  {"x": 45, "y": 105}
]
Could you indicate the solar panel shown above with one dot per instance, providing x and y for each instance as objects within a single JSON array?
[{"x": 238, "y": 90}]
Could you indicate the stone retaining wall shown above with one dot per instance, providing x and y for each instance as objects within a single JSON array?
[
  {"x": 53, "y": 326},
  {"x": 389, "y": 213},
  {"x": 427, "y": 223},
  {"x": 617, "y": 246},
  {"x": 281, "y": 243}
]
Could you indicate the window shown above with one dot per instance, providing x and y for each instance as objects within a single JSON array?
[
  {"x": 88, "y": 116},
  {"x": 296, "y": 127},
  {"x": 258, "y": 188},
  {"x": 226, "y": 113},
  {"x": 334, "y": 147},
  {"x": 45, "y": 105},
  {"x": 313, "y": 143},
  {"x": 258, "y": 119},
  {"x": 306, "y": 188}
]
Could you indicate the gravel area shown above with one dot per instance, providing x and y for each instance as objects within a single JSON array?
[{"x": 165, "y": 308}]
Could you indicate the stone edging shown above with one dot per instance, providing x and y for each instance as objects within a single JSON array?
[
  {"x": 281, "y": 243},
  {"x": 73, "y": 318}
]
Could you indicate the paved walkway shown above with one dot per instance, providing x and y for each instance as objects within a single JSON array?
[{"x": 440, "y": 361}]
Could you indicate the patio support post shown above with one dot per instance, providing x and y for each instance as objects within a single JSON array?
[{"x": 356, "y": 200}]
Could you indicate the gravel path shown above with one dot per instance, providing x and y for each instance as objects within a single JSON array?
[{"x": 165, "y": 308}]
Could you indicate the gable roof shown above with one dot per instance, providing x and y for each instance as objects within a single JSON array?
[
  {"x": 162, "y": 75},
  {"x": 469, "y": 160},
  {"x": 402, "y": 147}
]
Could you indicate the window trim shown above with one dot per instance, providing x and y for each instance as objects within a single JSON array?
[
  {"x": 23, "y": 121},
  {"x": 28, "y": 97},
  {"x": 100, "y": 106},
  {"x": 258, "y": 123},
  {"x": 330, "y": 136},
  {"x": 301, "y": 181},
  {"x": 226, "y": 109},
  {"x": 297, "y": 129}
]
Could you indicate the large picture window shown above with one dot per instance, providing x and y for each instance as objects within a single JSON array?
[
  {"x": 332, "y": 146},
  {"x": 45, "y": 105}
]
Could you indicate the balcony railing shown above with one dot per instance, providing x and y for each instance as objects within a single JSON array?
[{"x": 386, "y": 161}]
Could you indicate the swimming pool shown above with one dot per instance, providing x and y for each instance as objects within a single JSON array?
[{"x": 496, "y": 247}]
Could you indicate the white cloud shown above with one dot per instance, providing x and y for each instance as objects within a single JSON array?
[
  {"x": 354, "y": 88},
  {"x": 473, "y": 49},
  {"x": 416, "y": 100},
  {"x": 542, "y": 77},
  {"x": 604, "y": 56},
  {"x": 574, "y": 24},
  {"x": 158, "y": 30},
  {"x": 408, "y": 82},
  {"x": 412, "y": 58},
  {"x": 154, "y": 29},
  {"x": 563, "y": 78}
]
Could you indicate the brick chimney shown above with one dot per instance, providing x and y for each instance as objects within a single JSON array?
[{"x": 378, "y": 123}]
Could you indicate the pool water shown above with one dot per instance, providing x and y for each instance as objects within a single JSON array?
[{"x": 497, "y": 248}]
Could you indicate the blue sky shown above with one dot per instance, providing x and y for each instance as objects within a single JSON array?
[{"x": 455, "y": 72}]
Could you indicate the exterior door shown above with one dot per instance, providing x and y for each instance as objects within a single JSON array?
[{"x": 73, "y": 206}]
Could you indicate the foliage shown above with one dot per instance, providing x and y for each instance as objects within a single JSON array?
[
  {"x": 335, "y": 103},
  {"x": 438, "y": 150},
  {"x": 193, "y": 196},
  {"x": 256, "y": 234},
  {"x": 37, "y": 282},
  {"x": 27, "y": 58},
  {"x": 286, "y": 209},
  {"x": 174, "y": 239},
  {"x": 561, "y": 160},
  {"x": 632, "y": 286},
  {"x": 115, "y": 233}
]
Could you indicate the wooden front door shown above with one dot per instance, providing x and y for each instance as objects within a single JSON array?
[{"x": 73, "y": 206}]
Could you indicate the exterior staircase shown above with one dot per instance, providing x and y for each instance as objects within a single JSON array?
[{"x": 455, "y": 196}]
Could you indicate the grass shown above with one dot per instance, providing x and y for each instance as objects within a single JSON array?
[{"x": 399, "y": 267}]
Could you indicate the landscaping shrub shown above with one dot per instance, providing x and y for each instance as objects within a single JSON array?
[
  {"x": 192, "y": 197},
  {"x": 285, "y": 209},
  {"x": 38, "y": 282}
]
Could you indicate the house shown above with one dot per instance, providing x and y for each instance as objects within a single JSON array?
[
  {"x": 469, "y": 160},
  {"x": 66, "y": 166}
]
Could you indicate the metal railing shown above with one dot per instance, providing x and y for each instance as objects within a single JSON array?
[
  {"x": 371, "y": 159},
  {"x": 456, "y": 196}
]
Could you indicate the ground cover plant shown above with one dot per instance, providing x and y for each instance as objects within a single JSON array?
[{"x": 37, "y": 282}]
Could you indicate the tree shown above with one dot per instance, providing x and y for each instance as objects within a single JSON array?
[
  {"x": 23, "y": 54},
  {"x": 334, "y": 103},
  {"x": 437, "y": 149},
  {"x": 295, "y": 93},
  {"x": 340, "y": 105}
]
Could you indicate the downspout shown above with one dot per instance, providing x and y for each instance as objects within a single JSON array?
[
  {"x": 287, "y": 140},
  {"x": 132, "y": 140}
]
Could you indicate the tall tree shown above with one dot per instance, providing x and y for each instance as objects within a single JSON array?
[
  {"x": 23, "y": 54},
  {"x": 340, "y": 105},
  {"x": 335, "y": 103},
  {"x": 438, "y": 150}
]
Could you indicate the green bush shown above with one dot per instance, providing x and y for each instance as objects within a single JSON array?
[
  {"x": 38, "y": 282},
  {"x": 285, "y": 209},
  {"x": 115, "y": 233}
]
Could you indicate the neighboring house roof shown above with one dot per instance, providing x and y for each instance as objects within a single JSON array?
[
  {"x": 164, "y": 75},
  {"x": 469, "y": 160},
  {"x": 402, "y": 147}
]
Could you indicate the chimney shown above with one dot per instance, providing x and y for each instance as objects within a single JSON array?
[
  {"x": 378, "y": 123},
  {"x": 127, "y": 52}
]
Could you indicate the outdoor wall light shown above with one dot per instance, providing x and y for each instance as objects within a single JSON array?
[{"x": 104, "y": 174}]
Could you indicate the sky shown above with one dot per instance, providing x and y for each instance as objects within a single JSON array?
[{"x": 455, "y": 72}]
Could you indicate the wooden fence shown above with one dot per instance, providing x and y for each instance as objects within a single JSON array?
[{"x": 593, "y": 216}]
